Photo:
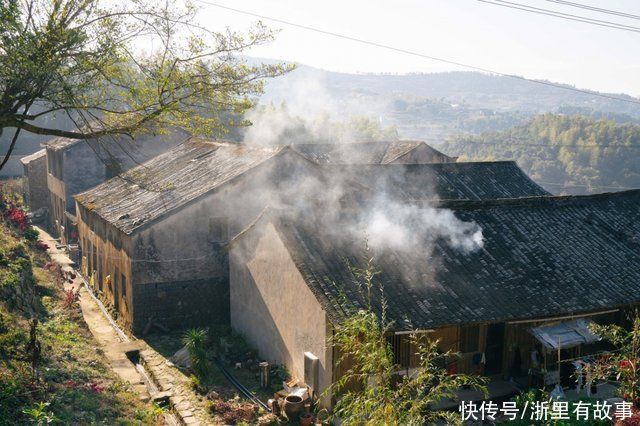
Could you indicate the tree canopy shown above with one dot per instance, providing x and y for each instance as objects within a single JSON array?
[
  {"x": 117, "y": 67},
  {"x": 565, "y": 154}
]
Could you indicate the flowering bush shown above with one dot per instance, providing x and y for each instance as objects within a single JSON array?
[
  {"x": 624, "y": 362},
  {"x": 70, "y": 298},
  {"x": 42, "y": 246},
  {"x": 95, "y": 387},
  {"x": 18, "y": 218}
]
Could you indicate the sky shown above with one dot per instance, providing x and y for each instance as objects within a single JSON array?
[{"x": 468, "y": 31}]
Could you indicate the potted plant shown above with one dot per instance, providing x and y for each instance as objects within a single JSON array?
[{"x": 306, "y": 419}]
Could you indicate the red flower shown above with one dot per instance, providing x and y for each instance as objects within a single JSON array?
[{"x": 71, "y": 384}]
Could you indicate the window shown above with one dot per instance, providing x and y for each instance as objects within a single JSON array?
[
  {"x": 469, "y": 338},
  {"x": 218, "y": 230}
]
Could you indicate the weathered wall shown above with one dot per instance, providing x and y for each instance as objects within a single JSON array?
[
  {"x": 105, "y": 251},
  {"x": 81, "y": 170},
  {"x": 183, "y": 248},
  {"x": 37, "y": 191},
  {"x": 272, "y": 306},
  {"x": 179, "y": 263},
  {"x": 57, "y": 192}
]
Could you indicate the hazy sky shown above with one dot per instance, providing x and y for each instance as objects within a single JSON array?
[{"x": 507, "y": 40}]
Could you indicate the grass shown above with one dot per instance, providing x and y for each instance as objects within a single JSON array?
[{"x": 73, "y": 384}]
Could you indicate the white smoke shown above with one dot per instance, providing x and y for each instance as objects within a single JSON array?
[
  {"x": 412, "y": 229},
  {"x": 309, "y": 113},
  {"x": 389, "y": 223}
]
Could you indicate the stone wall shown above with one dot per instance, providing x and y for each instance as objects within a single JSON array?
[
  {"x": 22, "y": 296},
  {"x": 180, "y": 304}
]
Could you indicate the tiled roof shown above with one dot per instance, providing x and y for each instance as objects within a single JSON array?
[
  {"x": 36, "y": 155},
  {"x": 170, "y": 180},
  {"x": 61, "y": 143},
  {"x": 361, "y": 152},
  {"x": 465, "y": 181},
  {"x": 542, "y": 257}
]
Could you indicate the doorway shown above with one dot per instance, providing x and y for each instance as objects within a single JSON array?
[{"x": 494, "y": 349}]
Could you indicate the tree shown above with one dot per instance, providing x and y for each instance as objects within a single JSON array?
[
  {"x": 624, "y": 362},
  {"x": 367, "y": 392},
  {"x": 117, "y": 68}
]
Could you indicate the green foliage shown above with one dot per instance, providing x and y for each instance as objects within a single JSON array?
[
  {"x": 369, "y": 391},
  {"x": 623, "y": 364},
  {"x": 150, "y": 415},
  {"x": 195, "y": 340},
  {"x": 570, "y": 154},
  {"x": 82, "y": 58},
  {"x": 39, "y": 414},
  {"x": 74, "y": 380},
  {"x": 31, "y": 235}
]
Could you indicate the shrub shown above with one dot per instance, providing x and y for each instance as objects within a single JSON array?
[
  {"x": 39, "y": 415},
  {"x": 31, "y": 235},
  {"x": 70, "y": 298},
  {"x": 195, "y": 340}
]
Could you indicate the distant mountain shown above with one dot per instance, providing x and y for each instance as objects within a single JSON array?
[
  {"x": 432, "y": 107},
  {"x": 565, "y": 154},
  {"x": 437, "y": 105}
]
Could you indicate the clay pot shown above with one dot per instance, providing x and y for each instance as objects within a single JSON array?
[
  {"x": 293, "y": 406},
  {"x": 306, "y": 419}
]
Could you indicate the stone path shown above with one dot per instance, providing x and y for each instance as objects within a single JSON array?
[
  {"x": 110, "y": 342},
  {"x": 172, "y": 384}
]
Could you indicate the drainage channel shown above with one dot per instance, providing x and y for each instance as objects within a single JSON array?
[{"x": 134, "y": 356}]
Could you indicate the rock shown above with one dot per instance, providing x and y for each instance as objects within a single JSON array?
[
  {"x": 181, "y": 358},
  {"x": 213, "y": 395},
  {"x": 162, "y": 398}
]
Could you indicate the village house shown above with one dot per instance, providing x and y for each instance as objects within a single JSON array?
[
  {"x": 76, "y": 165},
  {"x": 395, "y": 152},
  {"x": 548, "y": 266},
  {"x": 154, "y": 240},
  {"x": 158, "y": 232},
  {"x": 36, "y": 192}
]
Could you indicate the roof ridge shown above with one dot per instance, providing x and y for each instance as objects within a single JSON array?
[{"x": 536, "y": 201}]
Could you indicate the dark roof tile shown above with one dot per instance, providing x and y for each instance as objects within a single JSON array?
[{"x": 542, "y": 257}]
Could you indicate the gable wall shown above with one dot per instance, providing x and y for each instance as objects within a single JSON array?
[
  {"x": 273, "y": 308},
  {"x": 37, "y": 192}
]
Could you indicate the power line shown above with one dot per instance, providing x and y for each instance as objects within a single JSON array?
[
  {"x": 556, "y": 14},
  {"x": 418, "y": 54},
  {"x": 595, "y": 9}
]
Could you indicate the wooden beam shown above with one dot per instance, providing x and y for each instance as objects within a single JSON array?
[{"x": 564, "y": 317}]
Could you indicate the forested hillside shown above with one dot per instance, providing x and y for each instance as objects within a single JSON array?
[{"x": 565, "y": 154}]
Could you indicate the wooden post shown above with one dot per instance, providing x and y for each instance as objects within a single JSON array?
[{"x": 559, "y": 361}]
